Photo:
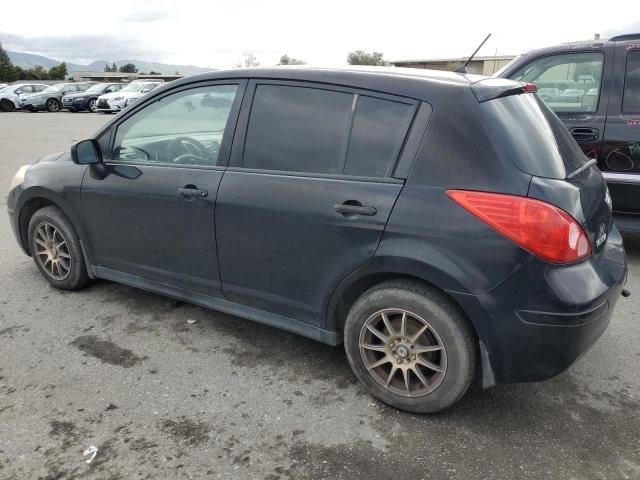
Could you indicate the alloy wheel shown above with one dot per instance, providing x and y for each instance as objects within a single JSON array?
[
  {"x": 92, "y": 106},
  {"x": 52, "y": 251},
  {"x": 53, "y": 105},
  {"x": 403, "y": 352}
]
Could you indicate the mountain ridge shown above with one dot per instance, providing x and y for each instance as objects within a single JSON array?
[{"x": 30, "y": 60}]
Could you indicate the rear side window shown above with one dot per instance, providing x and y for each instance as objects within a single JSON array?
[
  {"x": 297, "y": 129},
  {"x": 312, "y": 130},
  {"x": 568, "y": 82},
  {"x": 535, "y": 139},
  {"x": 631, "y": 98}
]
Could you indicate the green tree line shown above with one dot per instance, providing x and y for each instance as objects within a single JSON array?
[{"x": 11, "y": 73}]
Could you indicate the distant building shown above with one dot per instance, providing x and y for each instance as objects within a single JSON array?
[
  {"x": 479, "y": 65},
  {"x": 86, "y": 76}
]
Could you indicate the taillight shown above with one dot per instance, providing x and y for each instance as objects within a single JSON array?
[
  {"x": 529, "y": 88},
  {"x": 543, "y": 229}
]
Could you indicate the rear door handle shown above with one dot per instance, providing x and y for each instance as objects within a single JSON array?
[
  {"x": 191, "y": 193},
  {"x": 354, "y": 209},
  {"x": 584, "y": 134}
]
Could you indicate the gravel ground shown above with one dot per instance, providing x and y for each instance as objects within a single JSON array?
[{"x": 167, "y": 390}]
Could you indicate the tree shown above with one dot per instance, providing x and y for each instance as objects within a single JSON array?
[
  {"x": 110, "y": 68},
  {"x": 59, "y": 72},
  {"x": 154, "y": 73},
  {"x": 129, "y": 68},
  {"x": 286, "y": 60},
  {"x": 7, "y": 72},
  {"x": 40, "y": 73},
  {"x": 249, "y": 61},
  {"x": 360, "y": 57}
]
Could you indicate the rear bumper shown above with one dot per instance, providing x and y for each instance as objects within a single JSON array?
[{"x": 540, "y": 320}]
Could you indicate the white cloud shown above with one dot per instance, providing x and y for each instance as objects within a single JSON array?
[{"x": 218, "y": 33}]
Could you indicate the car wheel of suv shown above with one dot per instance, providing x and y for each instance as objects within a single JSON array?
[
  {"x": 93, "y": 105},
  {"x": 7, "y": 106},
  {"x": 410, "y": 346},
  {"x": 56, "y": 249},
  {"x": 53, "y": 105}
]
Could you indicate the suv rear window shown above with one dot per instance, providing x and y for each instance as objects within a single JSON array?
[
  {"x": 631, "y": 99},
  {"x": 533, "y": 136}
]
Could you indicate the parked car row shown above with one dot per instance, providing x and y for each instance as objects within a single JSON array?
[{"x": 73, "y": 96}]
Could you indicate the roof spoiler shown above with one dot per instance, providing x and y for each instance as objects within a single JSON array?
[{"x": 492, "y": 88}]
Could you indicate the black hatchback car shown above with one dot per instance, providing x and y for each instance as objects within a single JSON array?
[
  {"x": 594, "y": 87},
  {"x": 445, "y": 227}
]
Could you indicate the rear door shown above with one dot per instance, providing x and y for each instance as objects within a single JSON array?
[
  {"x": 308, "y": 192},
  {"x": 575, "y": 85},
  {"x": 621, "y": 149}
]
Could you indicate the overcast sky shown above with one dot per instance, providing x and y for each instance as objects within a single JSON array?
[{"x": 215, "y": 33}]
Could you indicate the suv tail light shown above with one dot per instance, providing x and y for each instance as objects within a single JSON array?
[{"x": 543, "y": 229}]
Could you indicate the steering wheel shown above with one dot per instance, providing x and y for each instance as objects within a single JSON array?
[{"x": 181, "y": 148}]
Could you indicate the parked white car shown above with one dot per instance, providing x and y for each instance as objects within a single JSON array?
[
  {"x": 10, "y": 94},
  {"x": 116, "y": 101}
]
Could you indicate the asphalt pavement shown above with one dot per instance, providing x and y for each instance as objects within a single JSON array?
[{"x": 167, "y": 390}]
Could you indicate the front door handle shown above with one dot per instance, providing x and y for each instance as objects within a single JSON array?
[
  {"x": 192, "y": 193},
  {"x": 354, "y": 208},
  {"x": 584, "y": 134}
]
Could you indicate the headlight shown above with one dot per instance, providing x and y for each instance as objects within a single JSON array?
[{"x": 18, "y": 178}]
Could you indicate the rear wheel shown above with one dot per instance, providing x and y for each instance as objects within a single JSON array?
[
  {"x": 410, "y": 346},
  {"x": 93, "y": 105},
  {"x": 55, "y": 248},
  {"x": 7, "y": 105},
  {"x": 53, "y": 105}
]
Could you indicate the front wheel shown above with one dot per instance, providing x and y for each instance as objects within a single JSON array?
[
  {"x": 56, "y": 250},
  {"x": 52, "y": 105},
  {"x": 93, "y": 105},
  {"x": 410, "y": 346},
  {"x": 7, "y": 106}
]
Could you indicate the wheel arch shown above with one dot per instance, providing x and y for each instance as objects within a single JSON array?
[
  {"x": 382, "y": 269},
  {"x": 378, "y": 270},
  {"x": 36, "y": 198}
]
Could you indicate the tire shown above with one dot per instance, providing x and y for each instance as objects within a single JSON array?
[
  {"x": 447, "y": 335},
  {"x": 53, "y": 105},
  {"x": 47, "y": 224},
  {"x": 93, "y": 105},
  {"x": 7, "y": 106}
]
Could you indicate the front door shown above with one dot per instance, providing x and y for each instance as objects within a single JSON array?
[
  {"x": 575, "y": 85},
  {"x": 308, "y": 193},
  {"x": 150, "y": 213}
]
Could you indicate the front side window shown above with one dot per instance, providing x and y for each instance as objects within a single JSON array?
[
  {"x": 568, "y": 82},
  {"x": 312, "y": 130},
  {"x": 631, "y": 97},
  {"x": 184, "y": 128}
]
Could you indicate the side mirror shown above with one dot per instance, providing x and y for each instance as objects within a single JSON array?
[{"x": 86, "y": 152}]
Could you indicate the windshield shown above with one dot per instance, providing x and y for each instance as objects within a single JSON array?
[
  {"x": 133, "y": 87},
  {"x": 56, "y": 88},
  {"x": 97, "y": 88}
]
